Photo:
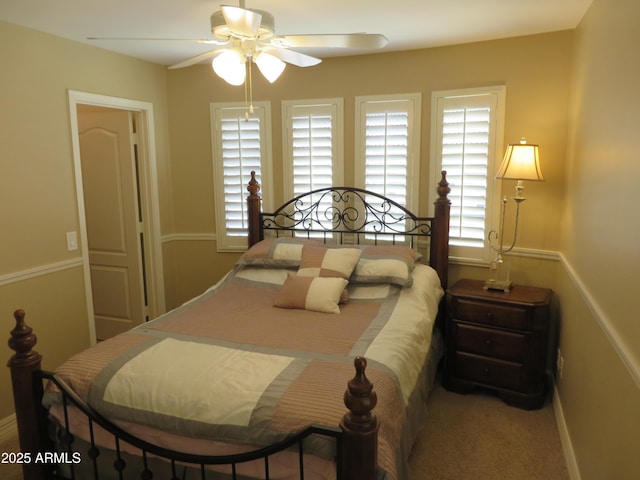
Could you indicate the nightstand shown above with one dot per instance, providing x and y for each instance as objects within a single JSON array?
[{"x": 498, "y": 340}]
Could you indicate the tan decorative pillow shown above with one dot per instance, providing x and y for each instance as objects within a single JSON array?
[
  {"x": 319, "y": 261},
  {"x": 319, "y": 294}
]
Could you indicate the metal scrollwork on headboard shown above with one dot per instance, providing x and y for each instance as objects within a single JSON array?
[{"x": 347, "y": 211}]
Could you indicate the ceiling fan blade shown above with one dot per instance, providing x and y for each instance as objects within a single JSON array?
[
  {"x": 241, "y": 21},
  {"x": 198, "y": 58},
  {"x": 294, "y": 58},
  {"x": 345, "y": 40},
  {"x": 206, "y": 41}
]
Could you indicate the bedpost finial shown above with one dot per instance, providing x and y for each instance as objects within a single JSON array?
[
  {"x": 254, "y": 186},
  {"x": 443, "y": 187},
  {"x": 360, "y": 399},
  {"x": 360, "y": 426},
  {"x": 22, "y": 340}
]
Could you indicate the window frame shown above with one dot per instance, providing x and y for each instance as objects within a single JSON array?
[
  {"x": 219, "y": 111},
  {"x": 497, "y": 96},
  {"x": 369, "y": 103}
]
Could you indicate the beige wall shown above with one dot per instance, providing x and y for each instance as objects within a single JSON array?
[
  {"x": 535, "y": 69},
  {"x": 600, "y": 330},
  {"x": 38, "y": 197}
]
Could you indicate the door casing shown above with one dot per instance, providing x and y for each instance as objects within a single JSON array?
[{"x": 148, "y": 191}]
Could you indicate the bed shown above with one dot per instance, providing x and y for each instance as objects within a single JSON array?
[{"x": 270, "y": 373}]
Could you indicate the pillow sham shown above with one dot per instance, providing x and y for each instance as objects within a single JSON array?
[
  {"x": 276, "y": 252},
  {"x": 318, "y": 294},
  {"x": 385, "y": 264}
]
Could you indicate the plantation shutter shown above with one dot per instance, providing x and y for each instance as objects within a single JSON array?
[
  {"x": 240, "y": 146},
  {"x": 386, "y": 154},
  {"x": 311, "y": 149},
  {"x": 465, "y": 157},
  {"x": 388, "y": 159},
  {"x": 312, "y": 152},
  {"x": 240, "y": 156},
  {"x": 467, "y": 131}
]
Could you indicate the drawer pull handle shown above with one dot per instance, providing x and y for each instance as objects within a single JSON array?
[
  {"x": 489, "y": 315},
  {"x": 486, "y": 371},
  {"x": 488, "y": 342}
]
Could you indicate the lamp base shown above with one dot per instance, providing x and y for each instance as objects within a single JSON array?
[
  {"x": 499, "y": 278},
  {"x": 501, "y": 285}
]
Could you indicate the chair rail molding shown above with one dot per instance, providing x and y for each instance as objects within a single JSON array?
[
  {"x": 624, "y": 352},
  {"x": 40, "y": 270}
]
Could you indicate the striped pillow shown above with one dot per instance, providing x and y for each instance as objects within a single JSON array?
[
  {"x": 319, "y": 294},
  {"x": 273, "y": 252},
  {"x": 385, "y": 264}
]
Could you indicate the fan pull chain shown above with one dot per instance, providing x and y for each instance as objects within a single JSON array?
[{"x": 248, "y": 86}]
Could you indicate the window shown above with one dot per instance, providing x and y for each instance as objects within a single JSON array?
[
  {"x": 312, "y": 148},
  {"x": 388, "y": 146},
  {"x": 240, "y": 145},
  {"x": 467, "y": 133}
]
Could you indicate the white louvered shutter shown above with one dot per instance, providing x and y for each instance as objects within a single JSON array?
[
  {"x": 311, "y": 148},
  {"x": 312, "y": 152},
  {"x": 240, "y": 156},
  {"x": 312, "y": 163},
  {"x": 388, "y": 162},
  {"x": 465, "y": 157},
  {"x": 240, "y": 146},
  {"x": 386, "y": 154},
  {"x": 467, "y": 131}
]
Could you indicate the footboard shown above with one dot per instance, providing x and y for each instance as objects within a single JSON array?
[{"x": 355, "y": 438}]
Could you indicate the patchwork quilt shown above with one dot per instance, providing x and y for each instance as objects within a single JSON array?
[{"x": 230, "y": 367}]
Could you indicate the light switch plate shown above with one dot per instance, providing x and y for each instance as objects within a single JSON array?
[{"x": 72, "y": 241}]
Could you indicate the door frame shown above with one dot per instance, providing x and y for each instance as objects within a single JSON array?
[{"x": 148, "y": 192}]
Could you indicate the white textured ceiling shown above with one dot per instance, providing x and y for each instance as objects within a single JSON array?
[{"x": 408, "y": 24}]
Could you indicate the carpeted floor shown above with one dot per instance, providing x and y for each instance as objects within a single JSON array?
[
  {"x": 475, "y": 437},
  {"x": 479, "y": 437}
]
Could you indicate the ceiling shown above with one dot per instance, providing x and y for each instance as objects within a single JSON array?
[{"x": 408, "y": 24}]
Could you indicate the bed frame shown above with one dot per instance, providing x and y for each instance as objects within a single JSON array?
[{"x": 352, "y": 211}]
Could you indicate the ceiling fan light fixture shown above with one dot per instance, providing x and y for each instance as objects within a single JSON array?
[
  {"x": 270, "y": 66},
  {"x": 230, "y": 66}
]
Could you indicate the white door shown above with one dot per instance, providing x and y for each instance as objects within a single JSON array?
[{"x": 113, "y": 219}]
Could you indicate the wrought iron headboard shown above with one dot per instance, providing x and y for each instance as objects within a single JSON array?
[
  {"x": 353, "y": 215},
  {"x": 347, "y": 215}
]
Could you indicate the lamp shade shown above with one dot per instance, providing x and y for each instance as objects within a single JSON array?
[
  {"x": 521, "y": 162},
  {"x": 230, "y": 66},
  {"x": 270, "y": 66}
]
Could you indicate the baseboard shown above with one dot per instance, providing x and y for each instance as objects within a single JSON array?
[
  {"x": 565, "y": 439},
  {"x": 8, "y": 428}
]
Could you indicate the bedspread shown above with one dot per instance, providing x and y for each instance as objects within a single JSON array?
[{"x": 228, "y": 366}]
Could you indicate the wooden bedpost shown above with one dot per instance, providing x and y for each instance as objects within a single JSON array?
[
  {"x": 360, "y": 427},
  {"x": 440, "y": 233},
  {"x": 27, "y": 393},
  {"x": 253, "y": 210}
]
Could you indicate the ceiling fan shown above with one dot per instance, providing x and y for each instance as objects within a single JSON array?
[{"x": 245, "y": 35}]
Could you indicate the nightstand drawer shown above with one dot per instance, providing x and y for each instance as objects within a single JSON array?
[
  {"x": 492, "y": 314},
  {"x": 488, "y": 371},
  {"x": 492, "y": 343}
]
